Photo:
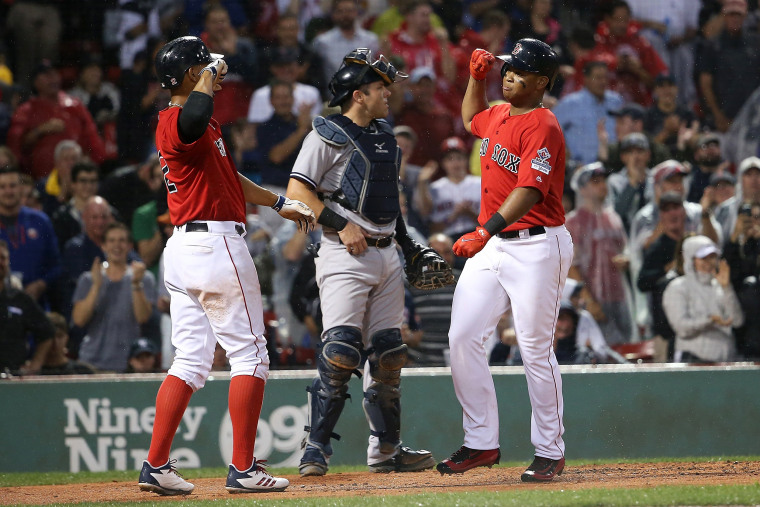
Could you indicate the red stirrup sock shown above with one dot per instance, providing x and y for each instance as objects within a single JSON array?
[
  {"x": 171, "y": 401},
  {"x": 246, "y": 396}
]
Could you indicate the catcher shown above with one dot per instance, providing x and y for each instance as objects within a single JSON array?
[{"x": 347, "y": 170}]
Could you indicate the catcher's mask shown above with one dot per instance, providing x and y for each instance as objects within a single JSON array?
[{"x": 358, "y": 69}]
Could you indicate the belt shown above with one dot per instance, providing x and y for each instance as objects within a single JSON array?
[
  {"x": 533, "y": 231},
  {"x": 380, "y": 242},
  {"x": 201, "y": 227}
]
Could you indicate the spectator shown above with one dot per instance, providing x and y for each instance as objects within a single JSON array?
[
  {"x": 628, "y": 119},
  {"x": 631, "y": 187},
  {"x": 408, "y": 175},
  {"x": 660, "y": 267},
  {"x": 30, "y": 196},
  {"x": 279, "y": 138},
  {"x": 451, "y": 203},
  {"x": 724, "y": 188},
  {"x": 138, "y": 24},
  {"x": 599, "y": 262},
  {"x": 583, "y": 113},
  {"x": 129, "y": 187},
  {"x": 102, "y": 99},
  {"x": 727, "y": 69},
  {"x": 57, "y": 187},
  {"x": 47, "y": 118},
  {"x": 20, "y": 315},
  {"x": 742, "y": 252},
  {"x": 57, "y": 361},
  {"x": 284, "y": 67},
  {"x": 35, "y": 29},
  {"x": 434, "y": 311},
  {"x": 241, "y": 146},
  {"x": 33, "y": 247},
  {"x": 111, "y": 301},
  {"x": 67, "y": 218},
  {"x": 630, "y": 57},
  {"x": 702, "y": 306},
  {"x": 589, "y": 334},
  {"x": 143, "y": 357},
  {"x": 668, "y": 122},
  {"x": 148, "y": 225},
  {"x": 242, "y": 59},
  {"x": 671, "y": 28},
  {"x": 567, "y": 340},
  {"x": 308, "y": 66},
  {"x": 541, "y": 25},
  {"x": 707, "y": 161},
  {"x": 432, "y": 122},
  {"x": 345, "y": 35},
  {"x": 747, "y": 192}
]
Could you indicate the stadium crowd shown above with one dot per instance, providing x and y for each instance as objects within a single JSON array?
[{"x": 658, "y": 102}]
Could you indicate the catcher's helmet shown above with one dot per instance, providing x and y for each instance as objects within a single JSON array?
[
  {"x": 173, "y": 60},
  {"x": 359, "y": 69},
  {"x": 532, "y": 55}
]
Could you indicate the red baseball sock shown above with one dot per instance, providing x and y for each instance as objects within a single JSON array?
[
  {"x": 246, "y": 396},
  {"x": 171, "y": 402}
]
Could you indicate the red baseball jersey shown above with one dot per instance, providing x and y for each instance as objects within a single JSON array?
[
  {"x": 526, "y": 150},
  {"x": 201, "y": 177}
]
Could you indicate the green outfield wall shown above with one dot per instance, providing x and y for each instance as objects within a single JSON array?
[{"x": 103, "y": 423}]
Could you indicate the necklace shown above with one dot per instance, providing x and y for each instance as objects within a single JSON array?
[{"x": 174, "y": 104}]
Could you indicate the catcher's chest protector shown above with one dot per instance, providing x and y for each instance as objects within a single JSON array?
[{"x": 370, "y": 180}]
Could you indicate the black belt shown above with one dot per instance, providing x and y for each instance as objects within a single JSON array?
[
  {"x": 539, "y": 229},
  {"x": 201, "y": 227},
  {"x": 383, "y": 242}
]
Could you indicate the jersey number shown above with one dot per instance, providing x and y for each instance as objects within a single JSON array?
[{"x": 171, "y": 187}]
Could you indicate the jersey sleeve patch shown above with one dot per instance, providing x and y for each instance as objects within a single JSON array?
[{"x": 541, "y": 162}]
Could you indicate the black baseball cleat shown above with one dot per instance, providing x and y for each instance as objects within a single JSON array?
[
  {"x": 406, "y": 460},
  {"x": 465, "y": 459},
  {"x": 543, "y": 469}
]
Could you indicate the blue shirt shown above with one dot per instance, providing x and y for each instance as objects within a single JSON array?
[
  {"x": 578, "y": 113},
  {"x": 269, "y": 134},
  {"x": 33, "y": 246}
]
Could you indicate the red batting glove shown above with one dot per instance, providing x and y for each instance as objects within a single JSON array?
[
  {"x": 472, "y": 242},
  {"x": 481, "y": 62}
]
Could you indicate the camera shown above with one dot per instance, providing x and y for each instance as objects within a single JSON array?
[{"x": 746, "y": 209}]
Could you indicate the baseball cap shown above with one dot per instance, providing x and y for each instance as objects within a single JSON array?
[
  {"x": 142, "y": 345},
  {"x": 453, "y": 144},
  {"x": 634, "y": 140},
  {"x": 584, "y": 174},
  {"x": 670, "y": 198},
  {"x": 668, "y": 169},
  {"x": 716, "y": 178},
  {"x": 421, "y": 72},
  {"x": 706, "y": 250},
  {"x": 282, "y": 55},
  {"x": 664, "y": 79},
  {"x": 632, "y": 109},
  {"x": 749, "y": 163},
  {"x": 707, "y": 138},
  {"x": 735, "y": 6},
  {"x": 405, "y": 130}
]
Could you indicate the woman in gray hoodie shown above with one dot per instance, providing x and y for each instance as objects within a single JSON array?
[{"x": 702, "y": 306}]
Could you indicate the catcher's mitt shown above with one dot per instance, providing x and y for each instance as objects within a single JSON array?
[{"x": 426, "y": 270}]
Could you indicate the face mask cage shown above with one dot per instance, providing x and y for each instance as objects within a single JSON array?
[{"x": 381, "y": 66}]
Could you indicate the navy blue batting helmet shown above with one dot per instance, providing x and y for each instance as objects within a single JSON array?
[
  {"x": 532, "y": 55},
  {"x": 358, "y": 69},
  {"x": 173, "y": 60}
]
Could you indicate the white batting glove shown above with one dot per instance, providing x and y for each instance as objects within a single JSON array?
[
  {"x": 218, "y": 69},
  {"x": 296, "y": 211}
]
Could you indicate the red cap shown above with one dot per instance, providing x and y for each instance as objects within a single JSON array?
[
  {"x": 453, "y": 144},
  {"x": 667, "y": 169}
]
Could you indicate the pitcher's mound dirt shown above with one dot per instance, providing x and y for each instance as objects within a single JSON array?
[{"x": 364, "y": 483}]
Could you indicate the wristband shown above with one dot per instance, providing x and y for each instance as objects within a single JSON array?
[
  {"x": 329, "y": 218},
  {"x": 280, "y": 203},
  {"x": 495, "y": 224}
]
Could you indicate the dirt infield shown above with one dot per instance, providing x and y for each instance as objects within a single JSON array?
[{"x": 365, "y": 483}]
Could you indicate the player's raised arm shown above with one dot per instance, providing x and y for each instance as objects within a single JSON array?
[{"x": 475, "y": 99}]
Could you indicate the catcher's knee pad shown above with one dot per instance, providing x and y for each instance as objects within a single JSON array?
[
  {"x": 340, "y": 356},
  {"x": 388, "y": 356},
  {"x": 382, "y": 399}
]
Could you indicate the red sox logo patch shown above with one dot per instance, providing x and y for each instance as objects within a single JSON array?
[
  {"x": 541, "y": 162},
  {"x": 517, "y": 49}
]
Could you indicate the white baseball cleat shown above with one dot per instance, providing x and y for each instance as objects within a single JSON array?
[
  {"x": 254, "y": 480},
  {"x": 164, "y": 480}
]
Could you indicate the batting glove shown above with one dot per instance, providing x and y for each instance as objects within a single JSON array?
[
  {"x": 296, "y": 211},
  {"x": 472, "y": 242},
  {"x": 481, "y": 62},
  {"x": 217, "y": 68}
]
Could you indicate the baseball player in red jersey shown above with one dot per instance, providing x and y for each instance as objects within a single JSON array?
[
  {"x": 215, "y": 295},
  {"x": 519, "y": 258}
]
